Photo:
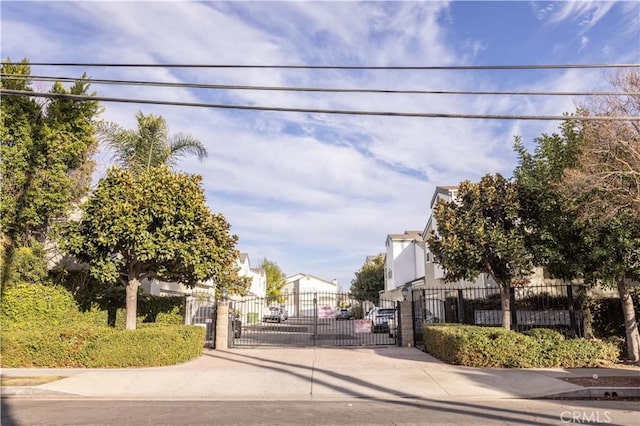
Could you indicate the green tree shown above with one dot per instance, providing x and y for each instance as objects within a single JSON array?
[
  {"x": 276, "y": 280},
  {"x": 481, "y": 232},
  {"x": 152, "y": 225},
  {"x": 149, "y": 145},
  {"x": 45, "y": 152},
  {"x": 606, "y": 182},
  {"x": 369, "y": 281},
  {"x": 554, "y": 236},
  {"x": 568, "y": 234}
]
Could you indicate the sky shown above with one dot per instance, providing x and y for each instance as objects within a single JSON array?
[{"x": 317, "y": 193}]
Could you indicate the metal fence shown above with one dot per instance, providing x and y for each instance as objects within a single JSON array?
[
  {"x": 310, "y": 319},
  {"x": 540, "y": 306},
  {"x": 200, "y": 309}
]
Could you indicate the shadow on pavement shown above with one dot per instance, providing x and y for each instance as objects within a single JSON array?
[{"x": 409, "y": 400}]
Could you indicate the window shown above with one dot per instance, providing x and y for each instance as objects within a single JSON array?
[{"x": 389, "y": 273}]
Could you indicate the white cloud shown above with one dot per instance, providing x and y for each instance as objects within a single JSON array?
[
  {"x": 587, "y": 13},
  {"x": 315, "y": 193}
]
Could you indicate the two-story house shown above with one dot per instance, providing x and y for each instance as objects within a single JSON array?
[
  {"x": 258, "y": 276},
  {"x": 404, "y": 263}
]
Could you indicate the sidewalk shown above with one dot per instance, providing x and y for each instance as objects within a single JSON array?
[{"x": 321, "y": 374}]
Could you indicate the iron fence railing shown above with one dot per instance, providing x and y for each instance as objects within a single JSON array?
[
  {"x": 200, "y": 309},
  {"x": 537, "y": 306}
]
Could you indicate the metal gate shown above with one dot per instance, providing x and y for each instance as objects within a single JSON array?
[
  {"x": 200, "y": 309},
  {"x": 314, "y": 319}
]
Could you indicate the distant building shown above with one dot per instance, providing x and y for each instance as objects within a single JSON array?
[
  {"x": 304, "y": 294},
  {"x": 258, "y": 276},
  {"x": 404, "y": 263}
]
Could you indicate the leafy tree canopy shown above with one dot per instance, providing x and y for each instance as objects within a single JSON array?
[
  {"x": 369, "y": 281},
  {"x": 481, "y": 232},
  {"x": 46, "y": 165},
  {"x": 276, "y": 280},
  {"x": 150, "y": 145},
  {"x": 152, "y": 225}
]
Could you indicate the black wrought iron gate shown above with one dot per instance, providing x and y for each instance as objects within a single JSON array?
[{"x": 314, "y": 319}]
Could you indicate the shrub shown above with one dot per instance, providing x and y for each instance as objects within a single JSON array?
[
  {"x": 607, "y": 317},
  {"x": 36, "y": 306},
  {"x": 175, "y": 316},
  {"x": 27, "y": 264},
  {"x": 496, "y": 347},
  {"x": 100, "y": 346},
  {"x": 151, "y": 306}
]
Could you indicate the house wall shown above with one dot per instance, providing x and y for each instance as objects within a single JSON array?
[
  {"x": 258, "y": 277},
  {"x": 404, "y": 262},
  {"x": 304, "y": 284}
]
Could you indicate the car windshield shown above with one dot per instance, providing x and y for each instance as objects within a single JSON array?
[
  {"x": 386, "y": 311},
  {"x": 274, "y": 310}
]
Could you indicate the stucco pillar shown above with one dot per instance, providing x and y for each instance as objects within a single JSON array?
[
  {"x": 222, "y": 326},
  {"x": 405, "y": 326}
]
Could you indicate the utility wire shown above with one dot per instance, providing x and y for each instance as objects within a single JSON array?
[
  {"x": 306, "y": 89},
  {"x": 9, "y": 92},
  {"x": 335, "y": 67}
]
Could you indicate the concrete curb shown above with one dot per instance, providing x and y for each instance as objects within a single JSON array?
[
  {"x": 596, "y": 393},
  {"x": 32, "y": 392}
]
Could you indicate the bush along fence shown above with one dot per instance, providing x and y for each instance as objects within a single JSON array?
[{"x": 557, "y": 307}]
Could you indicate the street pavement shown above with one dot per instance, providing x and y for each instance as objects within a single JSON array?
[{"x": 315, "y": 374}]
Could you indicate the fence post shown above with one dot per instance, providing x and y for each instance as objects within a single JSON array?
[
  {"x": 405, "y": 323},
  {"x": 461, "y": 307},
  {"x": 572, "y": 312},
  {"x": 315, "y": 318},
  {"x": 222, "y": 325},
  {"x": 514, "y": 311}
]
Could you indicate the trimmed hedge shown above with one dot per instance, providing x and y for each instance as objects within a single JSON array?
[
  {"x": 42, "y": 327},
  {"x": 36, "y": 306},
  {"x": 84, "y": 345},
  {"x": 496, "y": 347}
]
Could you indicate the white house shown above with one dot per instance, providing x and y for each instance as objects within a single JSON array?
[
  {"x": 404, "y": 263},
  {"x": 258, "y": 276},
  {"x": 304, "y": 294},
  {"x": 163, "y": 288}
]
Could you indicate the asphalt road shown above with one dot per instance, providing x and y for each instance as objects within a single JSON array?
[{"x": 23, "y": 412}]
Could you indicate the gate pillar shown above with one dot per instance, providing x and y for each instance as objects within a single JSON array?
[
  {"x": 405, "y": 326},
  {"x": 222, "y": 326}
]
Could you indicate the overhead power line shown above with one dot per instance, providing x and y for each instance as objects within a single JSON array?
[
  {"x": 307, "y": 89},
  {"x": 8, "y": 92},
  {"x": 336, "y": 67}
]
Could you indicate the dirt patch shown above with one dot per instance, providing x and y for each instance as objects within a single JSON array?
[
  {"x": 28, "y": 380},
  {"x": 606, "y": 381}
]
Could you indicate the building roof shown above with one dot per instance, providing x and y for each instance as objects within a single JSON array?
[
  {"x": 243, "y": 257},
  {"x": 299, "y": 275},
  {"x": 408, "y": 235},
  {"x": 373, "y": 257},
  {"x": 444, "y": 190}
]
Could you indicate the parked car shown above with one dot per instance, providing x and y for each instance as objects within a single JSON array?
[
  {"x": 380, "y": 319},
  {"x": 343, "y": 314},
  {"x": 275, "y": 314}
]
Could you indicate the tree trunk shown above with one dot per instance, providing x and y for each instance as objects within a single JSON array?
[
  {"x": 630, "y": 323},
  {"x": 506, "y": 305},
  {"x": 132, "y": 299},
  {"x": 585, "y": 308}
]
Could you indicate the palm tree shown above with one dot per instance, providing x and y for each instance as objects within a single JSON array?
[{"x": 150, "y": 145}]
